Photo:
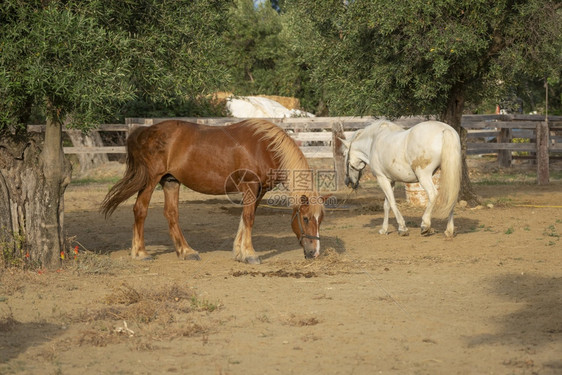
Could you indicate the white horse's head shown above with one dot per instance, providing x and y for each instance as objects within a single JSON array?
[{"x": 355, "y": 160}]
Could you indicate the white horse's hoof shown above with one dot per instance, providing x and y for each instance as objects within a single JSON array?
[{"x": 383, "y": 231}]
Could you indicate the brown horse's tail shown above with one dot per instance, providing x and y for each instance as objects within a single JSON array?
[{"x": 135, "y": 179}]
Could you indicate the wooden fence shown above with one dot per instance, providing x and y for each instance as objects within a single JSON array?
[{"x": 508, "y": 136}]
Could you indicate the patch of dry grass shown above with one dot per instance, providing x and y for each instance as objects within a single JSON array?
[
  {"x": 92, "y": 337},
  {"x": 90, "y": 263},
  {"x": 14, "y": 280},
  {"x": 330, "y": 262},
  {"x": 147, "y": 306},
  {"x": 294, "y": 320},
  {"x": 163, "y": 313}
]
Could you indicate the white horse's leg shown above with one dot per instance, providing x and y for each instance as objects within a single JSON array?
[
  {"x": 237, "y": 247},
  {"x": 243, "y": 248},
  {"x": 386, "y": 206},
  {"x": 388, "y": 189},
  {"x": 450, "y": 231},
  {"x": 427, "y": 184}
]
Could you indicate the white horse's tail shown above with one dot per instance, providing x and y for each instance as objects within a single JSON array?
[{"x": 451, "y": 173}]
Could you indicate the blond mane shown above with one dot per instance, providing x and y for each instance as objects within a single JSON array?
[{"x": 286, "y": 151}]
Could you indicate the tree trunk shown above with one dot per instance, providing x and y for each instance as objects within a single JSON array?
[
  {"x": 453, "y": 117},
  {"x": 81, "y": 139},
  {"x": 543, "y": 172},
  {"x": 337, "y": 147},
  {"x": 33, "y": 177}
]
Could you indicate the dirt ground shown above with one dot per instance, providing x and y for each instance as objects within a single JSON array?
[{"x": 488, "y": 301}]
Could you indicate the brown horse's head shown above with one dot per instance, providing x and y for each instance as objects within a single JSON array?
[{"x": 306, "y": 219}]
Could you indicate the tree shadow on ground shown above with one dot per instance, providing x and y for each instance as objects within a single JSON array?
[
  {"x": 537, "y": 322},
  {"x": 17, "y": 337}
]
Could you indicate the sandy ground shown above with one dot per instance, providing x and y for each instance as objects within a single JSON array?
[{"x": 488, "y": 301}]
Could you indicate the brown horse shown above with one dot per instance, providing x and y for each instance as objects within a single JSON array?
[{"x": 250, "y": 157}]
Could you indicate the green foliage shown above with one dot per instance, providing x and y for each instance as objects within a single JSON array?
[
  {"x": 260, "y": 58},
  {"x": 81, "y": 60},
  {"x": 57, "y": 58},
  {"x": 408, "y": 57},
  {"x": 95, "y": 60},
  {"x": 201, "y": 106}
]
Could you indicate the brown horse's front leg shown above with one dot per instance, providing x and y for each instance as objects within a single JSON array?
[
  {"x": 171, "y": 189},
  {"x": 243, "y": 248}
]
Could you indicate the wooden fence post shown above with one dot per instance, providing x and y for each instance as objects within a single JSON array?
[
  {"x": 543, "y": 174},
  {"x": 504, "y": 156},
  {"x": 131, "y": 123},
  {"x": 339, "y": 161}
]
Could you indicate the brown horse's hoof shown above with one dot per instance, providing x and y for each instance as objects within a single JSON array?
[
  {"x": 144, "y": 257},
  {"x": 253, "y": 260},
  {"x": 192, "y": 256},
  {"x": 403, "y": 233},
  {"x": 427, "y": 232}
]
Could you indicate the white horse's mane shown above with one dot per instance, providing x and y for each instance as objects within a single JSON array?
[
  {"x": 378, "y": 125},
  {"x": 373, "y": 128}
]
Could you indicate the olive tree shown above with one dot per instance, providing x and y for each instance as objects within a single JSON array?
[{"x": 75, "y": 63}]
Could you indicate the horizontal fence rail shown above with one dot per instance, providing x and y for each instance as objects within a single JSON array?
[{"x": 486, "y": 134}]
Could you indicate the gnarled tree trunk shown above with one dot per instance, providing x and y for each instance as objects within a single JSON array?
[{"x": 33, "y": 177}]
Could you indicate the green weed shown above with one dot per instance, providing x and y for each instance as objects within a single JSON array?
[
  {"x": 551, "y": 232},
  {"x": 203, "y": 304},
  {"x": 13, "y": 251}
]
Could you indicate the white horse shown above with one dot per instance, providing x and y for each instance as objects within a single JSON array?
[{"x": 412, "y": 155}]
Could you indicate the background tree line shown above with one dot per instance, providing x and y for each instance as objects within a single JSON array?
[{"x": 81, "y": 63}]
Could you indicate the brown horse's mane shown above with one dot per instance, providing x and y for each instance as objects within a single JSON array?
[{"x": 286, "y": 151}]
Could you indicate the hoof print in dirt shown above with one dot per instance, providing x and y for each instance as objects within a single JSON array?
[{"x": 192, "y": 257}]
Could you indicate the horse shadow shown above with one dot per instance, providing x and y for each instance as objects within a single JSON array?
[
  {"x": 208, "y": 227},
  {"x": 326, "y": 243},
  {"x": 266, "y": 246},
  {"x": 462, "y": 224}
]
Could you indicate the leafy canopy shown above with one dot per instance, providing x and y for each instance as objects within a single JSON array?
[
  {"x": 81, "y": 60},
  {"x": 408, "y": 56}
]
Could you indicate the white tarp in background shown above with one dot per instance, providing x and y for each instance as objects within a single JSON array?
[{"x": 259, "y": 107}]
